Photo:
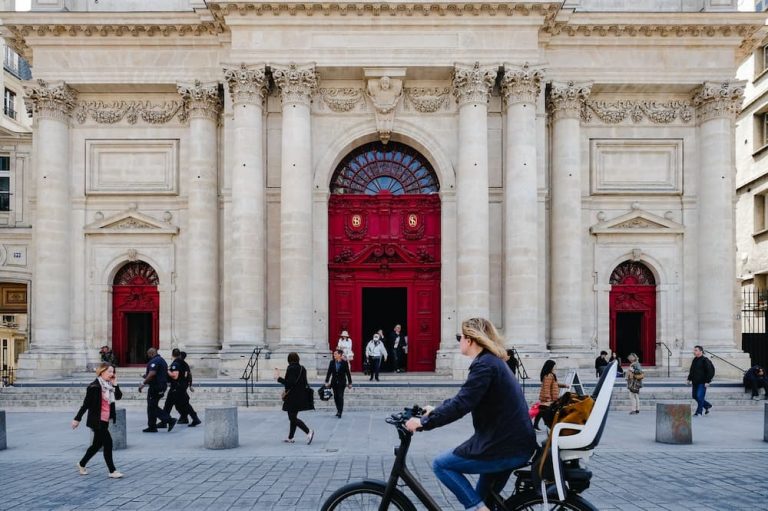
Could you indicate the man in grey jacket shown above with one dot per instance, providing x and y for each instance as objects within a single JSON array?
[{"x": 376, "y": 352}]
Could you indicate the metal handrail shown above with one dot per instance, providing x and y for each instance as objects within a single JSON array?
[
  {"x": 669, "y": 354},
  {"x": 253, "y": 362},
  {"x": 522, "y": 374},
  {"x": 726, "y": 361}
]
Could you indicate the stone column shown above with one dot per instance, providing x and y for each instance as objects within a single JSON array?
[
  {"x": 247, "y": 257},
  {"x": 566, "y": 232},
  {"x": 472, "y": 87},
  {"x": 51, "y": 350},
  {"x": 203, "y": 102},
  {"x": 717, "y": 104},
  {"x": 521, "y": 87},
  {"x": 296, "y": 84}
]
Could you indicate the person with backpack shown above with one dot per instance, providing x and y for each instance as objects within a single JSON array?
[
  {"x": 635, "y": 377},
  {"x": 699, "y": 377},
  {"x": 549, "y": 391}
]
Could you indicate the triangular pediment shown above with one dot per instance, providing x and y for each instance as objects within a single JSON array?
[
  {"x": 130, "y": 222},
  {"x": 638, "y": 222}
]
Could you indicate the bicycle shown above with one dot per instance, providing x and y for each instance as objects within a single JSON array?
[{"x": 372, "y": 494}]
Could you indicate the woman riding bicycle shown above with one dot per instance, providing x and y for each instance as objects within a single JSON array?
[{"x": 503, "y": 440}]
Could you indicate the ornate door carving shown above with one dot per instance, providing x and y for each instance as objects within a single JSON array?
[
  {"x": 134, "y": 292},
  {"x": 633, "y": 290}
]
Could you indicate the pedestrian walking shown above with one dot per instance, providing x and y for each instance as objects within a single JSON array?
[
  {"x": 338, "y": 378},
  {"x": 156, "y": 376},
  {"x": 376, "y": 352},
  {"x": 399, "y": 345},
  {"x": 549, "y": 390},
  {"x": 601, "y": 363},
  {"x": 180, "y": 378},
  {"x": 295, "y": 396},
  {"x": 635, "y": 377},
  {"x": 699, "y": 377},
  {"x": 754, "y": 380},
  {"x": 345, "y": 344},
  {"x": 100, "y": 397}
]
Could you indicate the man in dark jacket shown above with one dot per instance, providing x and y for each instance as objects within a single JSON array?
[
  {"x": 754, "y": 380},
  {"x": 700, "y": 376},
  {"x": 157, "y": 379},
  {"x": 180, "y": 380},
  {"x": 338, "y": 378}
]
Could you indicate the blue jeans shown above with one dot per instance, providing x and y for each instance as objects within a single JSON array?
[
  {"x": 699, "y": 392},
  {"x": 450, "y": 470}
]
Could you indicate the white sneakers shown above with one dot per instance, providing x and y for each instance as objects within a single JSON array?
[
  {"x": 116, "y": 474},
  {"x": 83, "y": 471},
  {"x": 310, "y": 436}
]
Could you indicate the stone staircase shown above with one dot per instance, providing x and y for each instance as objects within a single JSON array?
[{"x": 392, "y": 393}]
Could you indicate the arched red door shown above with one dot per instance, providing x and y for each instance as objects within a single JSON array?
[
  {"x": 633, "y": 312},
  {"x": 384, "y": 251},
  {"x": 135, "y": 313}
]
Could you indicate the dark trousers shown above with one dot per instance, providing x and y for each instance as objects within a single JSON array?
[
  {"x": 180, "y": 399},
  {"x": 293, "y": 417},
  {"x": 756, "y": 385},
  {"x": 101, "y": 438},
  {"x": 154, "y": 411},
  {"x": 375, "y": 367},
  {"x": 338, "y": 397},
  {"x": 400, "y": 359}
]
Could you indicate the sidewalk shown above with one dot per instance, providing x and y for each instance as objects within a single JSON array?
[{"x": 723, "y": 469}]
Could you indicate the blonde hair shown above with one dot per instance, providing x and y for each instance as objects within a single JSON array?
[
  {"x": 632, "y": 357},
  {"x": 102, "y": 368},
  {"x": 482, "y": 331}
]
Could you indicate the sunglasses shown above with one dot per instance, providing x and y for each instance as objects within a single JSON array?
[{"x": 458, "y": 337}]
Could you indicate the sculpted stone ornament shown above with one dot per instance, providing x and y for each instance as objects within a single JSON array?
[
  {"x": 341, "y": 100},
  {"x": 296, "y": 83},
  {"x": 385, "y": 94},
  {"x": 565, "y": 99},
  {"x": 618, "y": 111},
  {"x": 427, "y": 100},
  {"x": 132, "y": 111},
  {"x": 473, "y": 84},
  {"x": 49, "y": 101},
  {"x": 202, "y": 100},
  {"x": 247, "y": 84},
  {"x": 521, "y": 84},
  {"x": 718, "y": 100}
]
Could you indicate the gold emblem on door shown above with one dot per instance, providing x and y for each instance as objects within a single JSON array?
[
  {"x": 357, "y": 220},
  {"x": 413, "y": 220}
]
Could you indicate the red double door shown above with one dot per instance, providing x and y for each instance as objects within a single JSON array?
[
  {"x": 135, "y": 313},
  {"x": 633, "y": 321},
  {"x": 384, "y": 269}
]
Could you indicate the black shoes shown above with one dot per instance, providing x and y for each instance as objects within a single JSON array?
[
  {"x": 338, "y": 415},
  {"x": 194, "y": 422},
  {"x": 149, "y": 430},
  {"x": 171, "y": 423},
  {"x": 183, "y": 420}
]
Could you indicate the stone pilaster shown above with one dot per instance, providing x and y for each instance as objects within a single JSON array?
[
  {"x": 203, "y": 102},
  {"x": 296, "y": 85},
  {"x": 472, "y": 86},
  {"x": 565, "y": 101},
  {"x": 51, "y": 352},
  {"x": 521, "y": 86},
  {"x": 247, "y": 256},
  {"x": 717, "y": 104}
]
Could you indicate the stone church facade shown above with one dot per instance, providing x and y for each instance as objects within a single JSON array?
[{"x": 228, "y": 174}]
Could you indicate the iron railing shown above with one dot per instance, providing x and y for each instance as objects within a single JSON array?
[
  {"x": 669, "y": 354},
  {"x": 250, "y": 366},
  {"x": 754, "y": 335},
  {"x": 711, "y": 355},
  {"x": 7, "y": 376}
]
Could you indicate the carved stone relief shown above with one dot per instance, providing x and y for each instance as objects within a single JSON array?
[
  {"x": 615, "y": 112},
  {"x": 342, "y": 99},
  {"x": 385, "y": 93},
  {"x": 718, "y": 99},
  {"x": 132, "y": 111},
  {"x": 428, "y": 100},
  {"x": 49, "y": 100}
]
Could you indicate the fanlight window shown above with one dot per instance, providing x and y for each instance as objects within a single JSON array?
[
  {"x": 376, "y": 167},
  {"x": 633, "y": 274},
  {"x": 137, "y": 273}
]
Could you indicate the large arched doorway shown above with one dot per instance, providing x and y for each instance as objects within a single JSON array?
[
  {"x": 384, "y": 250},
  {"x": 135, "y": 312},
  {"x": 633, "y": 312}
]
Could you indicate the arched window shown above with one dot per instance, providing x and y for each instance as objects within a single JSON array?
[
  {"x": 136, "y": 273},
  {"x": 376, "y": 167},
  {"x": 633, "y": 274}
]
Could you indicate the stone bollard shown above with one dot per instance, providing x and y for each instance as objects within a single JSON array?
[
  {"x": 118, "y": 430},
  {"x": 673, "y": 423},
  {"x": 221, "y": 427},
  {"x": 4, "y": 444},
  {"x": 765, "y": 426}
]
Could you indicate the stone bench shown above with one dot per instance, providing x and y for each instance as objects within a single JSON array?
[
  {"x": 118, "y": 430},
  {"x": 3, "y": 442},
  {"x": 673, "y": 423},
  {"x": 221, "y": 427}
]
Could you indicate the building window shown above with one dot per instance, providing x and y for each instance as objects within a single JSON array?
[
  {"x": 5, "y": 183},
  {"x": 10, "y": 103},
  {"x": 760, "y": 213}
]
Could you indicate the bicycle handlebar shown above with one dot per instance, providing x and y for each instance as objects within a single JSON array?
[{"x": 399, "y": 419}]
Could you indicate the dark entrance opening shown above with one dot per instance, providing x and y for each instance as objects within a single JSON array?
[
  {"x": 139, "y": 336},
  {"x": 383, "y": 308},
  {"x": 628, "y": 334}
]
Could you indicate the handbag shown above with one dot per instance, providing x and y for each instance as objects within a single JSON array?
[
  {"x": 284, "y": 393},
  {"x": 634, "y": 385},
  {"x": 534, "y": 410}
]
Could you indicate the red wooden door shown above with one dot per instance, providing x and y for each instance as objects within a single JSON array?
[
  {"x": 633, "y": 311},
  {"x": 135, "y": 313}
]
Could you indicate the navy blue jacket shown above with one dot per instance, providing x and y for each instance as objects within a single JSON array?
[{"x": 499, "y": 412}]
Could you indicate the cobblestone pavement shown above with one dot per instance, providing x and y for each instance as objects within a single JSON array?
[{"x": 723, "y": 470}]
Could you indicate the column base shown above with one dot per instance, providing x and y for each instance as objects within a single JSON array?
[{"x": 47, "y": 363}]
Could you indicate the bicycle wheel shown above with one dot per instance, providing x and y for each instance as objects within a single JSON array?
[
  {"x": 365, "y": 496},
  {"x": 529, "y": 501}
]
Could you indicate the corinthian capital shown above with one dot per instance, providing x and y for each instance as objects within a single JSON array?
[
  {"x": 718, "y": 100},
  {"x": 296, "y": 83},
  {"x": 473, "y": 84},
  {"x": 202, "y": 100},
  {"x": 521, "y": 84},
  {"x": 49, "y": 100},
  {"x": 247, "y": 84},
  {"x": 566, "y": 98}
]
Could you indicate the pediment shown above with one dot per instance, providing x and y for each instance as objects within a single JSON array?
[
  {"x": 638, "y": 222},
  {"x": 130, "y": 222}
]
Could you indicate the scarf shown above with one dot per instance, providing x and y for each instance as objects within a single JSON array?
[{"x": 107, "y": 390}]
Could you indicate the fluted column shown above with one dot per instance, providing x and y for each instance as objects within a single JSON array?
[
  {"x": 472, "y": 87},
  {"x": 296, "y": 84},
  {"x": 717, "y": 105},
  {"x": 521, "y": 86},
  {"x": 203, "y": 102},
  {"x": 565, "y": 101},
  {"x": 247, "y": 258},
  {"x": 51, "y": 105}
]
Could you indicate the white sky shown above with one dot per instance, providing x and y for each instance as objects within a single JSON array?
[{"x": 22, "y": 5}]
